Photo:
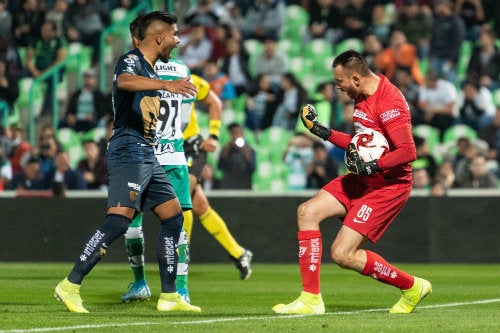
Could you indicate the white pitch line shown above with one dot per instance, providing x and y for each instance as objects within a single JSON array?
[{"x": 222, "y": 320}]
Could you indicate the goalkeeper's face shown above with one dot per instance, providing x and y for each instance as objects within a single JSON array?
[{"x": 346, "y": 82}]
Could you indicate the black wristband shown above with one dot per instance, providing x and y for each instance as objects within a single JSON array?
[
  {"x": 213, "y": 136},
  {"x": 320, "y": 130}
]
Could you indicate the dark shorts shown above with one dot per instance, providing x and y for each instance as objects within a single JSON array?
[
  {"x": 196, "y": 158},
  {"x": 138, "y": 185},
  {"x": 370, "y": 210}
]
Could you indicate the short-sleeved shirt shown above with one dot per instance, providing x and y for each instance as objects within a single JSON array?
[
  {"x": 46, "y": 51},
  {"x": 135, "y": 114},
  {"x": 136, "y": 179},
  {"x": 175, "y": 110}
]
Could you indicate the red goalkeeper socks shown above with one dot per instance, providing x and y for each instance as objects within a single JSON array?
[
  {"x": 381, "y": 270},
  {"x": 310, "y": 248}
]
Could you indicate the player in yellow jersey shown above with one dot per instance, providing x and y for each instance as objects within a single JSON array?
[{"x": 196, "y": 148}]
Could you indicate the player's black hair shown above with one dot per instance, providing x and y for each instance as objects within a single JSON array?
[
  {"x": 134, "y": 25},
  {"x": 156, "y": 15},
  {"x": 352, "y": 61}
]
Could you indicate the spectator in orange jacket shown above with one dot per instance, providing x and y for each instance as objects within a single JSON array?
[{"x": 399, "y": 53}]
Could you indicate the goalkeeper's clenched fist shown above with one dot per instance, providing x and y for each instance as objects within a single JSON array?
[{"x": 309, "y": 118}]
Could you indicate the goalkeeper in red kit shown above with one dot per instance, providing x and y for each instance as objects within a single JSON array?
[{"x": 367, "y": 199}]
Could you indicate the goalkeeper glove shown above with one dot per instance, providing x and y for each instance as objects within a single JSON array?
[
  {"x": 309, "y": 118},
  {"x": 354, "y": 163}
]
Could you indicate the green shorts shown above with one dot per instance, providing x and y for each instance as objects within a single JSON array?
[{"x": 179, "y": 178}]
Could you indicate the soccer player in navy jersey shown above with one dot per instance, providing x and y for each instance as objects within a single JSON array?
[
  {"x": 136, "y": 179},
  {"x": 368, "y": 198}
]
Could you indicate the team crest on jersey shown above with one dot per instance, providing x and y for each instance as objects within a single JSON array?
[{"x": 133, "y": 57}]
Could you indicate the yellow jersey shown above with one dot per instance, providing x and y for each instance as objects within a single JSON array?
[{"x": 193, "y": 128}]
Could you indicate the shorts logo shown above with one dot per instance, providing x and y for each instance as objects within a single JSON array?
[
  {"x": 134, "y": 186},
  {"x": 358, "y": 221},
  {"x": 133, "y": 195}
]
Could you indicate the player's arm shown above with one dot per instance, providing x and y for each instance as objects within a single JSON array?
[
  {"x": 404, "y": 148},
  {"x": 129, "y": 82},
  {"x": 309, "y": 118},
  {"x": 214, "y": 104},
  {"x": 404, "y": 151}
]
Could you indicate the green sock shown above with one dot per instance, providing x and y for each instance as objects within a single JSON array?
[
  {"x": 134, "y": 240},
  {"x": 182, "y": 267}
]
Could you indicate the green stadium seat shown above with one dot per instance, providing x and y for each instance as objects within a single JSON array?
[
  {"x": 296, "y": 23},
  {"x": 429, "y": 133},
  {"x": 72, "y": 144},
  {"x": 290, "y": 47},
  {"x": 79, "y": 57},
  {"x": 349, "y": 44},
  {"x": 458, "y": 131},
  {"x": 321, "y": 54},
  {"x": 23, "y": 102},
  {"x": 96, "y": 134},
  {"x": 299, "y": 66},
  {"x": 254, "y": 47}
]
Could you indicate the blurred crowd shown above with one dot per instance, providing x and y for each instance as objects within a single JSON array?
[{"x": 265, "y": 59}]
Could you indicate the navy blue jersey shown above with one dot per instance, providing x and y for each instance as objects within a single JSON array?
[{"x": 135, "y": 114}]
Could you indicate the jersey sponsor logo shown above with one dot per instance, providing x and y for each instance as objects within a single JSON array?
[
  {"x": 169, "y": 254},
  {"x": 362, "y": 115},
  {"x": 383, "y": 270},
  {"x": 390, "y": 114},
  {"x": 91, "y": 245},
  {"x": 171, "y": 69}
]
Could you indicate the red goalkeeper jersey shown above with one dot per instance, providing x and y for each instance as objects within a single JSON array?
[{"x": 387, "y": 112}]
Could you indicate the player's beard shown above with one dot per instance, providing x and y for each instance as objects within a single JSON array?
[{"x": 165, "y": 56}]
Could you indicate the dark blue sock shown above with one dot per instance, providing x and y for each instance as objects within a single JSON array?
[
  {"x": 166, "y": 251},
  {"x": 114, "y": 226}
]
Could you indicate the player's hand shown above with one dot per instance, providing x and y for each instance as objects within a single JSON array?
[
  {"x": 182, "y": 86},
  {"x": 209, "y": 145},
  {"x": 309, "y": 118},
  {"x": 354, "y": 163}
]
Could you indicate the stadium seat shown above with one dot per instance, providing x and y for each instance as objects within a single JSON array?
[
  {"x": 71, "y": 142},
  {"x": 458, "y": 131},
  {"x": 296, "y": 23},
  {"x": 429, "y": 133},
  {"x": 349, "y": 44},
  {"x": 319, "y": 51},
  {"x": 230, "y": 115},
  {"x": 254, "y": 47},
  {"x": 289, "y": 47},
  {"x": 79, "y": 57},
  {"x": 23, "y": 102},
  {"x": 299, "y": 66},
  {"x": 95, "y": 134}
]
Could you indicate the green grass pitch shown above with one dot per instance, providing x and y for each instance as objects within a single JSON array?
[{"x": 465, "y": 298}]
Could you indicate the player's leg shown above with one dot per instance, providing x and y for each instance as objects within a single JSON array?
[
  {"x": 309, "y": 216},
  {"x": 171, "y": 220},
  {"x": 179, "y": 178},
  {"x": 121, "y": 210},
  {"x": 68, "y": 290},
  {"x": 134, "y": 240},
  {"x": 371, "y": 217},
  {"x": 216, "y": 226}
]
